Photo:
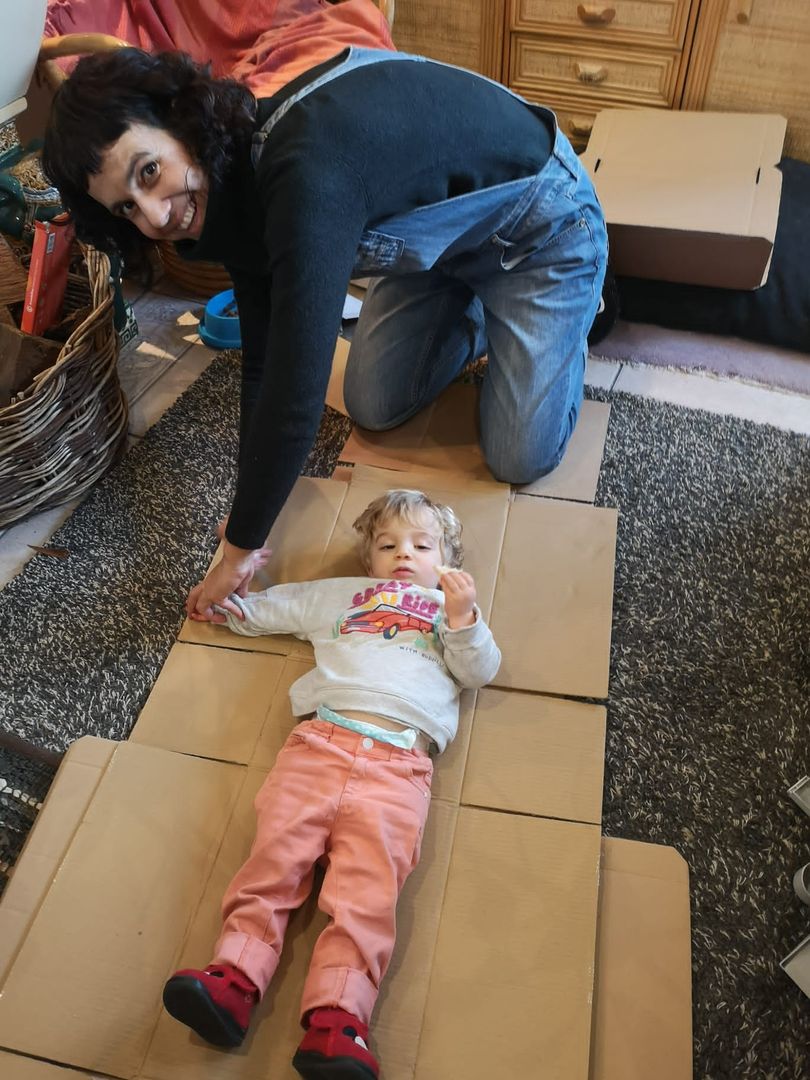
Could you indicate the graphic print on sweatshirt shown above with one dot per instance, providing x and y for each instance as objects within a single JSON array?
[{"x": 388, "y": 610}]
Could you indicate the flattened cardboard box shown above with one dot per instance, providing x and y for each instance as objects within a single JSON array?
[
  {"x": 557, "y": 554},
  {"x": 474, "y": 860},
  {"x": 111, "y": 826},
  {"x": 688, "y": 196},
  {"x": 133, "y": 891}
]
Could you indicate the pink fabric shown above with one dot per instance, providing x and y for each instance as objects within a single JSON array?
[
  {"x": 265, "y": 43},
  {"x": 283, "y": 53},
  {"x": 365, "y": 810}
]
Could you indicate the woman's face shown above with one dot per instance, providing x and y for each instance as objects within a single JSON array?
[{"x": 149, "y": 178}]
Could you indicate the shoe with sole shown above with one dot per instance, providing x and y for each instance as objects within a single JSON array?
[
  {"x": 215, "y": 1003},
  {"x": 335, "y": 1048}
]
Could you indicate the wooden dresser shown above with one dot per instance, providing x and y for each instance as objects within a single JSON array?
[{"x": 580, "y": 57}]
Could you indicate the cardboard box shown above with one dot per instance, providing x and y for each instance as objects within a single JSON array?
[
  {"x": 688, "y": 196},
  {"x": 47, "y": 274}
]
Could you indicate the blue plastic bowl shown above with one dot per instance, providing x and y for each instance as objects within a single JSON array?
[{"x": 220, "y": 326}]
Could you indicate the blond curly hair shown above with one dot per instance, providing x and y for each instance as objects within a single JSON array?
[{"x": 405, "y": 504}]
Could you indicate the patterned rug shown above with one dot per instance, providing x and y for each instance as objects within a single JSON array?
[{"x": 708, "y": 716}]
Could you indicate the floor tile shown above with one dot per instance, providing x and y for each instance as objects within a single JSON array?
[
  {"x": 166, "y": 322},
  {"x": 139, "y": 366},
  {"x": 166, "y": 329},
  {"x": 164, "y": 391},
  {"x": 601, "y": 374},
  {"x": 732, "y": 397},
  {"x": 166, "y": 286}
]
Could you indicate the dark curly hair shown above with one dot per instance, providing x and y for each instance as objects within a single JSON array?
[{"x": 110, "y": 91}]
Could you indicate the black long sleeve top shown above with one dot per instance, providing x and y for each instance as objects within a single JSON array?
[{"x": 377, "y": 140}]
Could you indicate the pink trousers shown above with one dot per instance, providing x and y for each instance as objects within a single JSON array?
[{"x": 361, "y": 803}]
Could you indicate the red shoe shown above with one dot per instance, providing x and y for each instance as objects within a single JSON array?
[
  {"x": 216, "y": 1003},
  {"x": 334, "y": 1048}
]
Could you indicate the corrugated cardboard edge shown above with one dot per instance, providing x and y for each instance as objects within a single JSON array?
[
  {"x": 69, "y": 796},
  {"x": 769, "y": 183}
]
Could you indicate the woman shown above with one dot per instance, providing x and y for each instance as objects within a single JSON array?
[{"x": 466, "y": 205}]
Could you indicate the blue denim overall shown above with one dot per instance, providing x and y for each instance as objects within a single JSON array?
[{"x": 514, "y": 270}]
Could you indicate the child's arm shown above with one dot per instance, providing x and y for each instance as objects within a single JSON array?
[
  {"x": 281, "y": 609},
  {"x": 470, "y": 652}
]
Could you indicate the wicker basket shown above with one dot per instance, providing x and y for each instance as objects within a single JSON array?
[
  {"x": 64, "y": 431},
  {"x": 201, "y": 280}
]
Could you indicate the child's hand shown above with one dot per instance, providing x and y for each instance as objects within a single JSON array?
[{"x": 459, "y": 597}]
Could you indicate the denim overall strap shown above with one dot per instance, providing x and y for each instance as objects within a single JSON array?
[{"x": 357, "y": 57}]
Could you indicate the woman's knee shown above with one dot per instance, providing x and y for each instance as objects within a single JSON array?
[
  {"x": 368, "y": 408},
  {"x": 532, "y": 454},
  {"x": 521, "y": 465}
]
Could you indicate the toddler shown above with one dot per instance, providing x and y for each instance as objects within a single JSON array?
[{"x": 351, "y": 785}]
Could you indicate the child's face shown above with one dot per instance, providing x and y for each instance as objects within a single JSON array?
[{"x": 407, "y": 551}]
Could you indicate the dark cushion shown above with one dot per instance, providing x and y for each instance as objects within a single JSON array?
[{"x": 778, "y": 313}]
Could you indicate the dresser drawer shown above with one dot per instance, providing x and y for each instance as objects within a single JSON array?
[
  {"x": 574, "y": 117},
  {"x": 643, "y": 22},
  {"x": 538, "y": 66}
]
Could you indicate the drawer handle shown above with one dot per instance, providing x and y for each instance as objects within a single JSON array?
[
  {"x": 590, "y": 73},
  {"x": 743, "y": 9},
  {"x": 597, "y": 14},
  {"x": 580, "y": 125}
]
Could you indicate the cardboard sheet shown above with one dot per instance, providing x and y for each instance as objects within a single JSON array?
[
  {"x": 554, "y": 596},
  {"x": 532, "y": 754},
  {"x": 17, "y": 1067},
  {"x": 298, "y": 540},
  {"x": 444, "y": 436},
  {"x": 703, "y": 208},
  {"x": 78, "y": 777},
  {"x": 110, "y": 923},
  {"x": 513, "y": 880},
  {"x": 643, "y": 1009},
  {"x": 212, "y": 702}
]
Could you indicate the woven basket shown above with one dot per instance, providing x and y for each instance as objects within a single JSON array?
[
  {"x": 201, "y": 279},
  {"x": 64, "y": 431}
]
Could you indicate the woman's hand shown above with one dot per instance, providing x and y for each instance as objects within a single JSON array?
[
  {"x": 459, "y": 597},
  {"x": 231, "y": 574}
]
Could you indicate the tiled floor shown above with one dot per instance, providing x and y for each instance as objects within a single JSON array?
[{"x": 169, "y": 356}]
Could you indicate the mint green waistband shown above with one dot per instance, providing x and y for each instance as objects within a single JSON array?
[{"x": 405, "y": 738}]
